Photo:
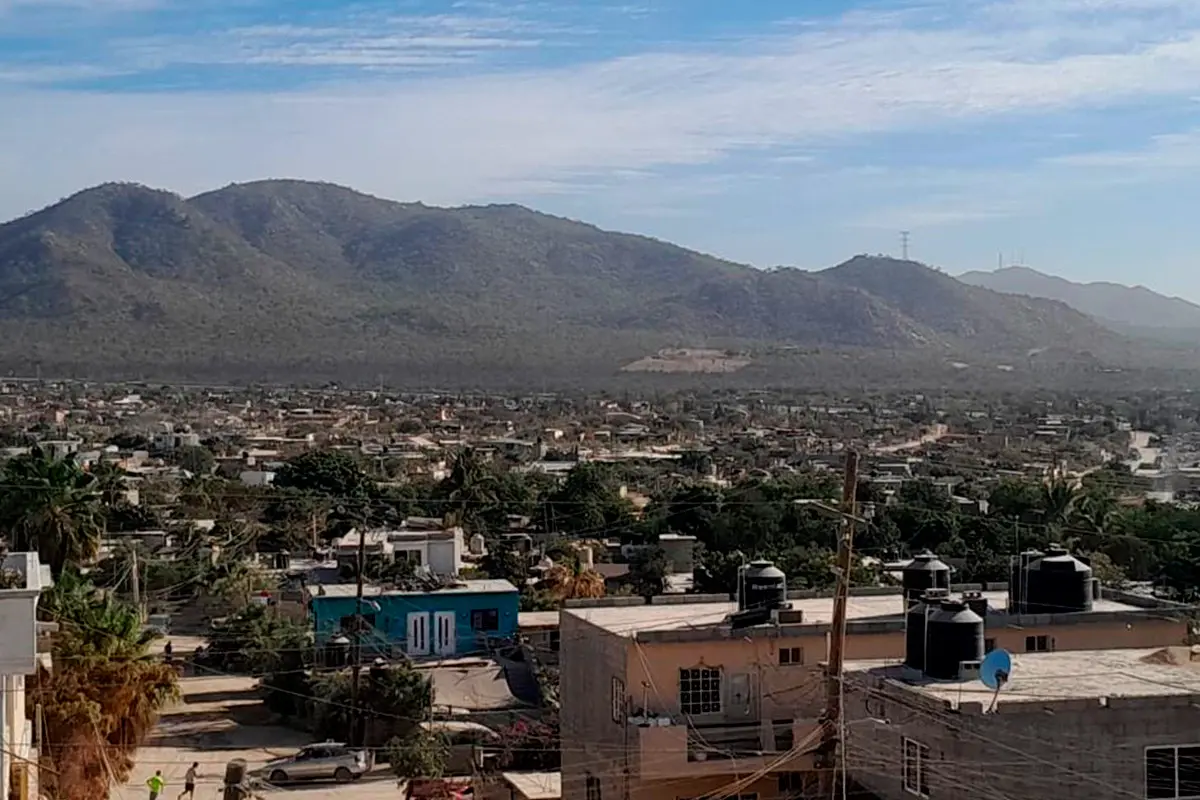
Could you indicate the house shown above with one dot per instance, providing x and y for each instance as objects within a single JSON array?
[
  {"x": 24, "y": 577},
  {"x": 454, "y": 620},
  {"x": 694, "y": 701},
  {"x": 1095, "y": 724},
  {"x": 440, "y": 549},
  {"x": 171, "y": 440}
]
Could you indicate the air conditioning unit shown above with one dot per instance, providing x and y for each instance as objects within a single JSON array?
[{"x": 968, "y": 670}]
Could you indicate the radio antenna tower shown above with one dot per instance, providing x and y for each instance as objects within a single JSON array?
[{"x": 904, "y": 244}]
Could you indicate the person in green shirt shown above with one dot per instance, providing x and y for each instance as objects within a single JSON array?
[{"x": 156, "y": 784}]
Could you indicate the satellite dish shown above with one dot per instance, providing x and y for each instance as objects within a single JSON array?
[{"x": 995, "y": 669}]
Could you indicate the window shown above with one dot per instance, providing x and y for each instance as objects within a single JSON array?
[
  {"x": 916, "y": 774},
  {"x": 618, "y": 700},
  {"x": 593, "y": 787},
  {"x": 700, "y": 691},
  {"x": 1037, "y": 644},
  {"x": 1173, "y": 773},
  {"x": 411, "y": 556},
  {"x": 485, "y": 619},
  {"x": 989, "y": 645},
  {"x": 555, "y": 641},
  {"x": 791, "y": 655}
]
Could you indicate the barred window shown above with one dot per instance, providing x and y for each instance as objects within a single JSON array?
[{"x": 700, "y": 691}]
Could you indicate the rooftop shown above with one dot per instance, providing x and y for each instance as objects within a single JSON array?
[
  {"x": 462, "y": 587},
  {"x": 1074, "y": 675},
  {"x": 627, "y": 620},
  {"x": 536, "y": 785}
]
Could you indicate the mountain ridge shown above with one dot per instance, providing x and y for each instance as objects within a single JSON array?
[
  {"x": 301, "y": 278},
  {"x": 1113, "y": 303}
]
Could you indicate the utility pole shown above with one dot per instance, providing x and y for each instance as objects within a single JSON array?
[
  {"x": 356, "y": 642},
  {"x": 831, "y": 719},
  {"x": 135, "y": 582},
  {"x": 904, "y": 244}
]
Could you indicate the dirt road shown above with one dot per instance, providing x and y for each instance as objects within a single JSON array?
[{"x": 222, "y": 718}]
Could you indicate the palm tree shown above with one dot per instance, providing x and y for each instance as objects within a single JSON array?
[
  {"x": 471, "y": 490},
  {"x": 52, "y": 506},
  {"x": 571, "y": 581},
  {"x": 104, "y": 694},
  {"x": 1058, "y": 500}
]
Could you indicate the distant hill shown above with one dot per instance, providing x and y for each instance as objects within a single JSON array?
[
  {"x": 289, "y": 280},
  {"x": 1125, "y": 308}
]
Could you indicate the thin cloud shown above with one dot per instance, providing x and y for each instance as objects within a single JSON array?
[{"x": 455, "y": 139}]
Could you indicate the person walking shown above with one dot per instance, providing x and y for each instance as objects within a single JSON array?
[
  {"x": 189, "y": 782},
  {"x": 156, "y": 784}
]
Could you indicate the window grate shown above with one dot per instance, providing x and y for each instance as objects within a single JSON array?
[{"x": 700, "y": 691}]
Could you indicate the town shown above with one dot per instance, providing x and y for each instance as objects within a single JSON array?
[{"x": 769, "y": 594}]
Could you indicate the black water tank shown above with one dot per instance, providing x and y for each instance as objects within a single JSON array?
[
  {"x": 763, "y": 586},
  {"x": 1057, "y": 583},
  {"x": 914, "y": 635},
  {"x": 924, "y": 572},
  {"x": 954, "y": 634},
  {"x": 976, "y": 602},
  {"x": 1018, "y": 584},
  {"x": 914, "y": 627}
]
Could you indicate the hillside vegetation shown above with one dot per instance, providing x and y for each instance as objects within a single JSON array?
[{"x": 297, "y": 281}]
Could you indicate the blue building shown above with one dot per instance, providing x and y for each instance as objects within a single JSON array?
[{"x": 445, "y": 622}]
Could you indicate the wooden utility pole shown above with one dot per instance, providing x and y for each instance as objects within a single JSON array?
[
  {"x": 831, "y": 719},
  {"x": 356, "y": 641}
]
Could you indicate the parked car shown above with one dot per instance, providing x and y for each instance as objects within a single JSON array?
[{"x": 324, "y": 761}]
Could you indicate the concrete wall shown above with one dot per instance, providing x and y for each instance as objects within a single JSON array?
[
  {"x": 1065, "y": 749},
  {"x": 592, "y": 742},
  {"x": 392, "y": 618}
]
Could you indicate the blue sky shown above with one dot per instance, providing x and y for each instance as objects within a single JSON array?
[{"x": 1065, "y": 133}]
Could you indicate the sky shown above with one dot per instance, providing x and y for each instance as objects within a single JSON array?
[{"x": 1062, "y": 134}]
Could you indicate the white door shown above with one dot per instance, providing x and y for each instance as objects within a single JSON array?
[
  {"x": 443, "y": 627},
  {"x": 418, "y": 634}
]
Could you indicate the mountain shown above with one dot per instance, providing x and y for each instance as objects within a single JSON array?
[
  {"x": 1122, "y": 307},
  {"x": 290, "y": 280}
]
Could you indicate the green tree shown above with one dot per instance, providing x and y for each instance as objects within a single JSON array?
[
  {"x": 52, "y": 506},
  {"x": 470, "y": 491},
  {"x": 505, "y": 562},
  {"x": 420, "y": 755},
  {"x": 197, "y": 459},
  {"x": 331, "y": 473},
  {"x": 394, "y": 700},
  {"x": 648, "y": 571}
]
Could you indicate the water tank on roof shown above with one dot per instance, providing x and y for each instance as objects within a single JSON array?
[
  {"x": 954, "y": 634},
  {"x": 1057, "y": 583},
  {"x": 976, "y": 602},
  {"x": 915, "y": 619},
  {"x": 1018, "y": 585},
  {"x": 764, "y": 586},
  {"x": 924, "y": 572}
]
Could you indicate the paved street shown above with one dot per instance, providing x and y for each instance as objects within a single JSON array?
[{"x": 220, "y": 719}]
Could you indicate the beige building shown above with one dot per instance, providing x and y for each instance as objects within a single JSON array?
[
  {"x": 1088, "y": 724},
  {"x": 666, "y": 700}
]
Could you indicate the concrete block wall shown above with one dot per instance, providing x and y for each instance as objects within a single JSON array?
[
  {"x": 1082, "y": 748},
  {"x": 592, "y": 743}
]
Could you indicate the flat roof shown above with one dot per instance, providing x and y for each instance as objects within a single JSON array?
[
  {"x": 373, "y": 590},
  {"x": 537, "y": 619},
  {"x": 627, "y": 620},
  {"x": 1068, "y": 675},
  {"x": 536, "y": 785}
]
